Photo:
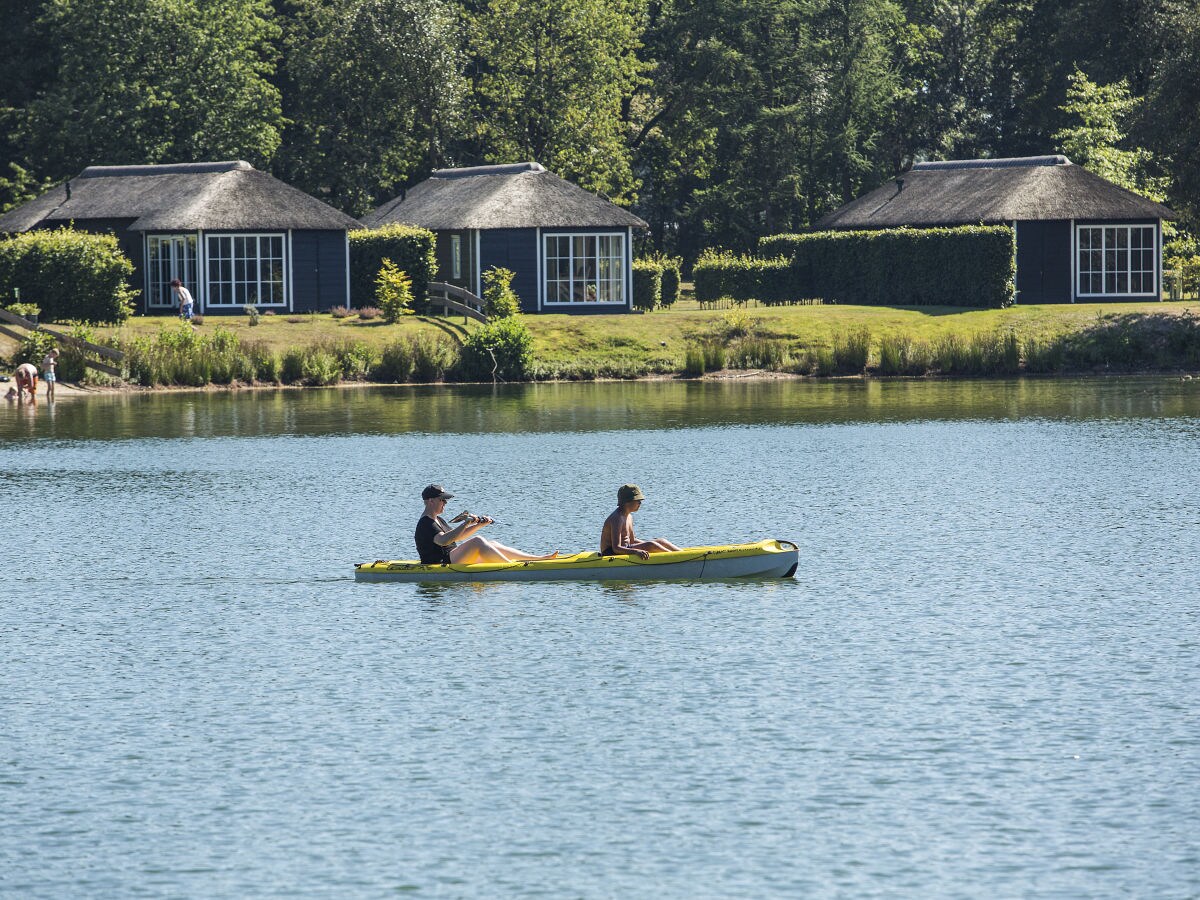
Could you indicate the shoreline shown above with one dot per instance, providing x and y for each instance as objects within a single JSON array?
[{"x": 74, "y": 391}]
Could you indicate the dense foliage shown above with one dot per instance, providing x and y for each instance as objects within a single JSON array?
[
  {"x": 719, "y": 121},
  {"x": 499, "y": 299},
  {"x": 969, "y": 266},
  {"x": 69, "y": 274},
  {"x": 393, "y": 291},
  {"x": 499, "y": 351},
  {"x": 647, "y": 284},
  {"x": 410, "y": 249}
]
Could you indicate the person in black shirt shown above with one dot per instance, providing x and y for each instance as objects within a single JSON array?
[{"x": 439, "y": 543}]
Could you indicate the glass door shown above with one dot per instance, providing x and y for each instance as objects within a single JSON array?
[{"x": 168, "y": 257}]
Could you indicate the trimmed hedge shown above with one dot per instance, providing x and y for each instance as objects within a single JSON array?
[
  {"x": 411, "y": 249},
  {"x": 973, "y": 265},
  {"x": 647, "y": 284},
  {"x": 69, "y": 274},
  {"x": 719, "y": 273},
  {"x": 672, "y": 277}
]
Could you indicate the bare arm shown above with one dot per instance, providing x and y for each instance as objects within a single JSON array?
[
  {"x": 463, "y": 529},
  {"x": 625, "y": 538}
]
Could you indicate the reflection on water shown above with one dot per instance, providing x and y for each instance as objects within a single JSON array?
[
  {"x": 471, "y": 409},
  {"x": 981, "y": 681}
]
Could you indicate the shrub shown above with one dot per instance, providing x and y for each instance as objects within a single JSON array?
[
  {"x": 340, "y": 312},
  {"x": 719, "y": 273},
  {"x": 69, "y": 274},
  {"x": 370, "y": 312},
  {"x": 500, "y": 350},
  {"x": 852, "y": 352},
  {"x": 355, "y": 360},
  {"x": 253, "y": 313},
  {"x": 318, "y": 366},
  {"x": 393, "y": 291},
  {"x": 432, "y": 357},
  {"x": 647, "y": 284},
  {"x": 266, "y": 362},
  {"x": 291, "y": 367},
  {"x": 411, "y": 249},
  {"x": 500, "y": 301},
  {"x": 25, "y": 310},
  {"x": 197, "y": 319},
  {"x": 672, "y": 278},
  {"x": 973, "y": 265},
  {"x": 33, "y": 348},
  {"x": 693, "y": 362},
  {"x": 758, "y": 353}
]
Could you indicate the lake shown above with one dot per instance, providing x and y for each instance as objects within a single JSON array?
[{"x": 982, "y": 681}]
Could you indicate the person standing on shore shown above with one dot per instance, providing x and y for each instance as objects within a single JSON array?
[
  {"x": 184, "y": 296},
  {"x": 49, "y": 361}
]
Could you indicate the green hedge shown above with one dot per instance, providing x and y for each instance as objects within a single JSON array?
[
  {"x": 974, "y": 265},
  {"x": 719, "y": 273},
  {"x": 672, "y": 276},
  {"x": 647, "y": 284},
  {"x": 69, "y": 274},
  {"x": 502, "y": 349},
  {"x": 411, "y": 249}
]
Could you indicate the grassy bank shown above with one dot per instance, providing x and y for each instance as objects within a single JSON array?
[{"x": 687, "y": 340}]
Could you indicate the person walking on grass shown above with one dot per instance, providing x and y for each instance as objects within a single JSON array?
[
  {"x": 617, "y": 537},
  {"x": 49, "y": 361},
  {"x": 184, "y": 298},
  {"x": 439, "y": 544}
]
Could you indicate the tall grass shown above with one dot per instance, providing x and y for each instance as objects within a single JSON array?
[{"x": 422, "y": 358}]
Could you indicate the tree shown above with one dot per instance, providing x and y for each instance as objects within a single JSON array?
[
  {"x": 551, "y": 82},
  {"x": 150, "y": 81},
  {"x": 373, "y": 89},
  {"x": 1094, "y": 138}
]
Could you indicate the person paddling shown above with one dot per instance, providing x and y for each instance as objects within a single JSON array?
[
  {"x": 439, "y": 544},
  {"x": 617, "y": 537}
]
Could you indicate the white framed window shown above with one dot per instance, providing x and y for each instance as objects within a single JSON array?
[
  {"x": 170, "y": 256},
  {"x": 1116, "y": 260},
  {"x": 584, "y": 268},
  {"x": 456, "y": 256},
  {"x": 245, "y": 270}
]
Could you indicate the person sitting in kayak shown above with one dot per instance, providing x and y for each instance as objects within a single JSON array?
[
  {"x": 617, "y": 536},
  {"x": 439, "y": 543}
]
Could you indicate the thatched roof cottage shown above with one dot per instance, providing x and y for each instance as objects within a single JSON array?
[
  {"x": 233, "y": 235},
  {"x": 572, "y": 251},
  {"x": 1079, "y": 237}
]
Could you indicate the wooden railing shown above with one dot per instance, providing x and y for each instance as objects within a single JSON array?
[
  {"x": 86, "y": 346},
  {"x": 456, "y": 300}
]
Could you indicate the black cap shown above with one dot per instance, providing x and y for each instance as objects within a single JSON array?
[{"x": 435, "y": 490}]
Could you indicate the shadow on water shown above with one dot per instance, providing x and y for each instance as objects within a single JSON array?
[{"x": 590, "y": 407}]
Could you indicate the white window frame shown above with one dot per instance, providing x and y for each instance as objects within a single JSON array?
[
  {"x": 622, "y": 255},
  {"x": 1079, "y": 273},
  {"x": 456, "y": 256},
  {"x": 285, "y": 251},
  {"x": 193, "y": 284}
]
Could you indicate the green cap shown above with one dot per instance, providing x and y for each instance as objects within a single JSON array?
[{"x": 627, "y": 493}]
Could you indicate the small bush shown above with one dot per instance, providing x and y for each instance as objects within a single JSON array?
[
  {"x": 319, "y": 367},
  {"x": 340, "y": 312},
  {"x": 33, "y": 348},
  {"x": 24, "y": 310},
  {"x": 500, "y": 350},
  {"x": 70, "y": 275},
  {"x": 253, "y": 313},
  {"x": 266, "y": 363},
  {"x": 500, "y": 301},
  {"x": 852, "y": 352},
  {"x": 197, "y": 318},
  {"x": 355, "y": 359},
  {"x": 291, "y": 367},
  {"x": 693, "y": 362},
  {"x": 411, "y": 249},
  {"x": 269, "y": 312},
  {"x": 672, "y": 278},
  {"x": 647, "y": 284},
  {"x": 367, "y": 313},
  {"x": 758, "y": 353},
  {"x": 393, "y": 291},
  {"x": 433, "y": 357}
]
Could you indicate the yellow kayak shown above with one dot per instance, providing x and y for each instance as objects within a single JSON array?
[{"x": 765, "y": 559}]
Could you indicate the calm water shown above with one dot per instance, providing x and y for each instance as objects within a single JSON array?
[{"x": 982, "y": 683}]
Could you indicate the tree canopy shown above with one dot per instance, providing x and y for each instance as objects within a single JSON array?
[{"x": 717, "y": 121}]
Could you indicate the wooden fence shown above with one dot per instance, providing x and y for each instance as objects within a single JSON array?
[
  {"x": 85, "y": 346},
  {"x": 456, "y": 300}
]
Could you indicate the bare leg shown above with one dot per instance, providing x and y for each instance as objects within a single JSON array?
[
  {"x": 479, "y": 550},
  {"x": 658, "y": 545}
]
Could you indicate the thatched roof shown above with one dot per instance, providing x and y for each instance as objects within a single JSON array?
[
  {"x": 974, "y": 191},
  {"x": 523, "y": 195},
  {"x": 186, "y": 197}
]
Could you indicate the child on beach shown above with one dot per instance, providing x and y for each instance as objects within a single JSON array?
[
  {"x": 617, "y": 536},
  {"x": 49, "y": 361}
]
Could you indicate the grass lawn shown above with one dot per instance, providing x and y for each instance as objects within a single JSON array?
[{"x": 583, "y": 345}]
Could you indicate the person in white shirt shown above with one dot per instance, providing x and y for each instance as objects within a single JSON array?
[{"x": 184, "y": 296}]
